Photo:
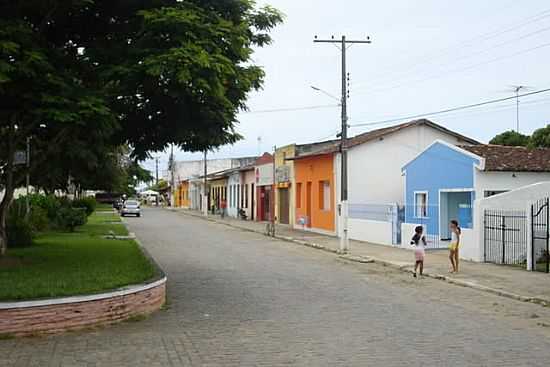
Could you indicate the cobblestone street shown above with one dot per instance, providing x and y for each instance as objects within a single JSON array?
[{"x": 237, "y": 298}]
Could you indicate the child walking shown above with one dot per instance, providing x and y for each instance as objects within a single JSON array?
[
  {"x": 419, "y": 241},
  {"x": 453, "y": 247}
]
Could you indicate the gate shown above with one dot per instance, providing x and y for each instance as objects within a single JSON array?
[
  {"x": 505, "y": 237},
  {"x": 540, "y": 237}
]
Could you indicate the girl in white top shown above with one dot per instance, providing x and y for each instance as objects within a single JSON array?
[
  {"x": 453, "y": 247},
  {"x": 419, "y": 241}
]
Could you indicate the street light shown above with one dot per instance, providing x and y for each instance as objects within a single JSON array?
[{"x": 325, "y": 93}]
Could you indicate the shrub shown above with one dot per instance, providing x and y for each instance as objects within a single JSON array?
[
  {"x": 49, "y": 203},
  {"x": 38, "y": 219},
  {"x": 20, "y": 232},
  {"x": 88, "y": 203},
  {"x": 70, "y": 218}
]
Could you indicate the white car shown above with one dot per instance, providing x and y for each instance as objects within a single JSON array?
[{"x": 130, "y": 207}]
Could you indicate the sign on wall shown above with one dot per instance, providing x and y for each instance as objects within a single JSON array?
[
  {"x": 282, "y": 174},
  {"x": 264, "y": 174}
]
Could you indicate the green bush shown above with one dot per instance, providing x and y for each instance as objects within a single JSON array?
[
  {"x": 70, "y": 218},
  {"x": 20, "y": 232},
  {"x": 88, "y": 203},
  {"x": 38, "y": 219},
  {"x": 49, "y": 203}
]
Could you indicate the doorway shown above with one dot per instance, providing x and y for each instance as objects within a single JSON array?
[
  {"x": 454, "y": 206},
  {"x": 252, "y": 208},
  {"x": 284, "y": 206},
  {"x": 308, "y": 204}
]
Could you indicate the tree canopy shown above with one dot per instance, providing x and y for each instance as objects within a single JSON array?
[
  {"x": 539, "y": 139},
  {"x": 104, "y": 74},
  {"x": 510, "y": 138}
]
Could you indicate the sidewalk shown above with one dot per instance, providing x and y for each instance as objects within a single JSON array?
[{"x": 501, "y": 280}]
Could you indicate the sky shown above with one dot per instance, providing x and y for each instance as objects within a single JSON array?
[{"x": 425, "y": 56}]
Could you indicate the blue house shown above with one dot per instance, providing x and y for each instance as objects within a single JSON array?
[{"x": 439, "y": 187}]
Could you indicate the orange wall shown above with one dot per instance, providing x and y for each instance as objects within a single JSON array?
[{"x": 315, "y": 170}]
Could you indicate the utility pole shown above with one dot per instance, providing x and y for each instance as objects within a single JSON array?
[
  {"x": 157, "y": 179},
  {"x": 172, "y": 177},
  {"x": 343, "y": 208},
  {"x": 28, "y": 178},
  {"x": 205, "y": 188},
  {"x": 273, "y": 195}
]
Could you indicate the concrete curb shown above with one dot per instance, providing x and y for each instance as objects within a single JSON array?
[{"x": 399, "y": 266}]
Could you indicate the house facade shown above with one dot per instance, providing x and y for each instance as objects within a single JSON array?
[
  {"x": 315, "y": 194},
  {"x": 284, "y": 184},
  {"x": 264, "y": 174},
  {"x": 443, "y": 182},
  {"x": 234, "y": 194},
  {"x": 248, "y": 184}
]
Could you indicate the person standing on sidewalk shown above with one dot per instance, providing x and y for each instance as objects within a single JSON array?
[
  {"x": 419, "y": 241},
  {"x": 453, "y": 247},
  {"x": 223, "y": 206}
]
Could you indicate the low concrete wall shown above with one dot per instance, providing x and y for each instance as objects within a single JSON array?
[
  {"x": 469, "y": 246},
  {"x": 370, "y": 231},
  {"x": 72, "y": 313}
]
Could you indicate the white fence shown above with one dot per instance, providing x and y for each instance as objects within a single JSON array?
[
  {"x": 375, "y": 223},
  {"x": 371, "y": 231}
]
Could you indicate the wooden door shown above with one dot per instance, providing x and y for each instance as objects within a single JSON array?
[
  {"x": 308, "y": 203},
  {"x": 284, "y": 206}
]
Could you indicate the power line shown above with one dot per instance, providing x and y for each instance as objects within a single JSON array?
[
  {"x": 468, "y": 56},
  {"x": 437, "y": 76},
  {"x": 292, "y": 109},
  {"x": 430, "y": 57},
  {"x": 410, "y": 117}
]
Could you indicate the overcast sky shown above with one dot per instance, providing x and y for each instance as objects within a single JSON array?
[{"x": 425, "y": 56}]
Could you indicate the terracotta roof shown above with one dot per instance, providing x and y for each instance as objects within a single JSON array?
[
  {"x": 517, "y": 159},
  {"x": 333, "y": 146}
]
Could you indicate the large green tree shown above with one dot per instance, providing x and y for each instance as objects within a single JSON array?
[
  {"x": 103, "y": 74},
  {"x": 510, "y": 138},
  {"x": 541, "y": 138}
]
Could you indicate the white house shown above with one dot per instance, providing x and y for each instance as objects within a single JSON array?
[
  {"x": 375, "y": 182},
  {"x": 468, "y": 184}
]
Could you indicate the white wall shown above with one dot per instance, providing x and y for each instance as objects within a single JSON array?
[
  {"x": 469, "y": 246},
  {"x": 506, "y": 181},
  {"x": 370, "y": 231},
  {"x": 374, "y": 172},
  {"x": 234, "y": 194},
  {"x": 517, "y": 199}
]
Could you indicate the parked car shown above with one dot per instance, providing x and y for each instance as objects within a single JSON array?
[{"x": 131, "y": 207}]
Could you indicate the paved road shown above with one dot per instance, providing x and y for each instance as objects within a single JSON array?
[{"x": 239, "y": 299}]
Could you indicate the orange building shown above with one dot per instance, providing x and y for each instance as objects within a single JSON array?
[{"x": 315, "y": 192}]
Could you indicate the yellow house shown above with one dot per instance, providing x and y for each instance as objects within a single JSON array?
[
  {"x": 284, "y": 184},
  {"x": 218, "y": 191},
  {"x": 182, "y": 199}
]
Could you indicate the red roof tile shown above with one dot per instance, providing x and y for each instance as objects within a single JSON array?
[{"x": 518, "y": 159}]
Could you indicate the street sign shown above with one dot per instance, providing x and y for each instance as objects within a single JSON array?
[{"x": 20, "y": 157}]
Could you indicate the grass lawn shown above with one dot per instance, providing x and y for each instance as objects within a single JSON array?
[
  {"x": 102, "y": 206},
  {"x": 64, "y": 264}
]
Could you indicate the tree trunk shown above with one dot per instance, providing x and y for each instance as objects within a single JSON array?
[{"x": 8, "y": 191}]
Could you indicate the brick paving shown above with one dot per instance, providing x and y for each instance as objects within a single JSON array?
[
  {"x": 510, "y": 279},
  {"x": 237, "y": 298}
]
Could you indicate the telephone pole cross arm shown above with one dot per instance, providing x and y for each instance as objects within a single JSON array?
[{"x": 343, "y": 209}]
